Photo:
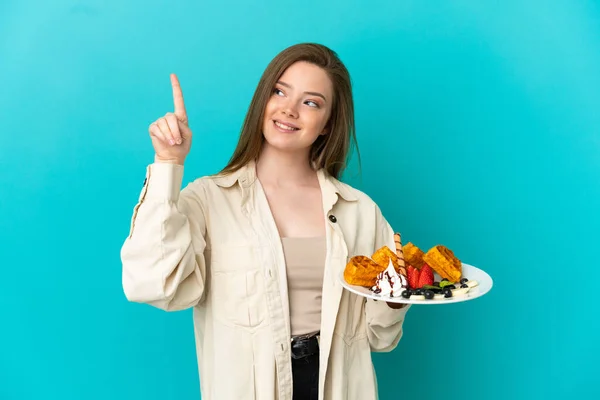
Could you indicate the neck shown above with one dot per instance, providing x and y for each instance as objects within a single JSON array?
[{"x": 279, "y": 168}]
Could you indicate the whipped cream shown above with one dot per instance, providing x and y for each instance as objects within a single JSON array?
[{"x": 390, "y": 283}]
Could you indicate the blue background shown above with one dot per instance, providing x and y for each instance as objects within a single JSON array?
[{"x": 479, "y": 128}]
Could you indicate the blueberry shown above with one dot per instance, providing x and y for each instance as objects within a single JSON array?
[
  {"x": 418, "y": 292},
  {"x": 464, "y": 280},
  {"x": 447, "y": 292},
  {"x": 428, "y": 294},
  {"x": 464, "y": 285},
  {"x": 436, "y": 284},
  {"x": 450, "y": 287},
  {"x": 406, "y": 294}
]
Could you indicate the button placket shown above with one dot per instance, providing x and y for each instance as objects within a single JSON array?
[{"x": 265, "y": 233}]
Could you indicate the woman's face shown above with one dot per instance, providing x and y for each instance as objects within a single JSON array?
[{"x": 299, "y": 108}]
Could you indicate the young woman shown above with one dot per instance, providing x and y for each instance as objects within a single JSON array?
[{"x": 257, "y": 249}]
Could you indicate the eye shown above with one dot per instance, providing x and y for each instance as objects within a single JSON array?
[
  {"x": 312, "y": 104},
  {"x": 278, "y": 92}
]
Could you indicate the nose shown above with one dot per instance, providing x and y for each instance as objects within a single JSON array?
[{"x": 290, "y": 109}]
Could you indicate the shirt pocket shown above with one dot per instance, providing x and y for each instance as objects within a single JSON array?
[
  {"x": 353, "y": 326},
  {"x": 237, "y": 286}
]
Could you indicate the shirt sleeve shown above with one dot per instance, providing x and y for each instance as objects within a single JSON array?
[
  {"x": 162, "y": 258},
  {"x": 384, "y": 324}
]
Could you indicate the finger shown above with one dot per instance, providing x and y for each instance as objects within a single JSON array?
[
  {"x": 174, "y": 127},
  {"x": 164, "y": 128},
  {"x": 156, "y": 133},
  {"x": 184, "y": 131},
  {"x": 178, "y": 99}
]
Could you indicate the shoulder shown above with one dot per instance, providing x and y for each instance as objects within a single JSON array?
[
  {"x": 244, "y": 175},
  {"x": 216, "y": 180},
  {"x": 365, "y": 221},
  {"x": 352, "y": 195},
  {"x": 200, "y": 186}
]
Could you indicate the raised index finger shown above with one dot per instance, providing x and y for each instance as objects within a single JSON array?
[{"x": 178, "y": 99}]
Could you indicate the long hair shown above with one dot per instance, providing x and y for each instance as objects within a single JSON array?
[{"x": 331, "y": 151}]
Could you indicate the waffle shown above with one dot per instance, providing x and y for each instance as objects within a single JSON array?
[
  {"x": 444, "y": 262},
  {"x": 413, "y": 255},
  {"x": 362, "y": 271},
  {"x": 383, "y": 256}
]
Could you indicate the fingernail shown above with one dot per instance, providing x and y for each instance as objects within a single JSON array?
[
  {"x": 178, "y": 141},
  {"x": 171, "y": 142}
]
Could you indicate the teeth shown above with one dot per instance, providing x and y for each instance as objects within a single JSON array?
[{"x": 282, "y": 126}]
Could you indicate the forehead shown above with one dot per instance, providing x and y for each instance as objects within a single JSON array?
[{"x": 308, "y": 77}]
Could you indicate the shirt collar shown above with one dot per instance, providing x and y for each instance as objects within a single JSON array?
[
  {"x": 338, "y": 187},
  {"x": 247, "y": 175}
]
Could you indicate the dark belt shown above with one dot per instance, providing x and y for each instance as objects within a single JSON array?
[{"x": 304, "y": 346}]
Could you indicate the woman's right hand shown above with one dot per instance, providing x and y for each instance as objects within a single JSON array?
[{"x": 171, "y": 135}]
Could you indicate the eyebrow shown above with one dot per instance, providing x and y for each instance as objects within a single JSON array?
[{"x": 311, "y": 93}]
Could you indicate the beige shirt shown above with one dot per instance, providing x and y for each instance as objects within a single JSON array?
[
  {"x": 214, "y": 247},
  {"x": 305, "y": 264}
]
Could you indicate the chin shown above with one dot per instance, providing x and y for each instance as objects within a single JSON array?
[{"x": 284, "y": 144}]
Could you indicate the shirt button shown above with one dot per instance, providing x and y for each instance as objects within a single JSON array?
[{"x": 332, "y": 218}]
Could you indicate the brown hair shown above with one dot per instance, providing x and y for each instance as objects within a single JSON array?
[{"x": 329, "y": 151}]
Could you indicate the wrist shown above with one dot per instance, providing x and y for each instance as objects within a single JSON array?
[{"x": 177, "y": 161}]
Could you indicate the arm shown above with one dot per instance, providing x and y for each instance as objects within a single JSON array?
[
  {"x": 163, "y": 262},
  {"x": 384, "y": 321}
]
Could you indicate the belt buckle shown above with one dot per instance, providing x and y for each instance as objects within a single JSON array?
[
  {"x": 307, "y": 336},
  {"x": 304, "y": 348}
]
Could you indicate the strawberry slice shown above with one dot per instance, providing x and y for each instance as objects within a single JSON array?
[
  {"x": 413, "y": 276},
  {"x": 425, "y": 276}
]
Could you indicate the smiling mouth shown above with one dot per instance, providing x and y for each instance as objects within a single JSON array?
[{"x": 285, "y": 127}]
